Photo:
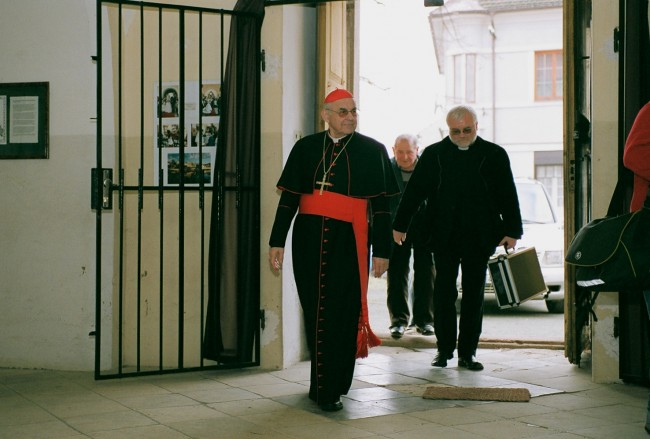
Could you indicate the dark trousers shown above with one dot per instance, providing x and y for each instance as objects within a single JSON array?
[
  {"x": 646, "y": 296},
  {"x": 473, "y": 264},
  {"x": 424, "y": 273}
]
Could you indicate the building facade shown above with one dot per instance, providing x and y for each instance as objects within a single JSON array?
[{"x": 504, "y": 58}]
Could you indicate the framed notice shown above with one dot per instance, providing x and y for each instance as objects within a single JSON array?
[{"x": 24, "y": 120}]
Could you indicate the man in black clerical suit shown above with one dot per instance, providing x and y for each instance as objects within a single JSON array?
[{"x": 472, "y": 207}]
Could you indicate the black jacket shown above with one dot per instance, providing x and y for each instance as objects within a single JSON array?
[
  {"x": 468, "y": 193},
  {"x": 363, "y": 171},
  {"x": 416, "y": 231}
]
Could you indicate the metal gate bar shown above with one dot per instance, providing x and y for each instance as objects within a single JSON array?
[{"x": 161, "y": 189}]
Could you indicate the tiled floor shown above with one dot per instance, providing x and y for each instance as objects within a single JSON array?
[{"x": 385, "y": 402}]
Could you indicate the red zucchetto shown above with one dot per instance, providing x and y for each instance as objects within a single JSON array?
[{"x": 337, "y": 94}]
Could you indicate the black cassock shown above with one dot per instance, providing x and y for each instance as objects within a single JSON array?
[{"x": 324, "y": 252}]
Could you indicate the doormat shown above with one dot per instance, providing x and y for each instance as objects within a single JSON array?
[{"x": 477, "y": 393}]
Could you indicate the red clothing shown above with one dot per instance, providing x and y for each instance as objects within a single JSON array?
[
  {"x": 354, "y": 211},
  {"x": 636, "y": 156}
]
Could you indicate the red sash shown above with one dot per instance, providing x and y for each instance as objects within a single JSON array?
[{"x": 351, "y": 210}]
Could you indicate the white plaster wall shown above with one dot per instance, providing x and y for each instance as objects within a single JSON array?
[
  {"x": 271, "y": 139},
  {"x": 298, "y": 107},
  {"x": 605, "y": 367},
  {"x": 288, "y": 115},
  {"x": 524, "y": 125},
  {"x": 47, "y": 229}
]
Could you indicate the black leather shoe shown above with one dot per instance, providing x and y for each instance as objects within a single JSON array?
[
  {"x": 424, "y": 329},
  {"x": 332, "y": 406},
  {"x": 397, "y": 331},
  {"x": 441, "y": 359},
  {"x": 469, "y": 363}
]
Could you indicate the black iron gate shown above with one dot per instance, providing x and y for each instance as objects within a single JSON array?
[{"x": 160, "y": 168}]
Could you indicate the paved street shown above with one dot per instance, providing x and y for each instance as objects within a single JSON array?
[{"x": 530, "y": 322}]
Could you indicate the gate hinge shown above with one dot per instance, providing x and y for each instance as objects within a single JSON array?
[{"x": 262, "y": 319}]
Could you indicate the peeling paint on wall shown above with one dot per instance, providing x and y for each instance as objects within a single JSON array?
[
  {"x": 271, "y": 330},
  {"x": 609, "y": 343}
]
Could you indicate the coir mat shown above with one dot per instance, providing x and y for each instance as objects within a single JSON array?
[{"x": 513, "y": 394}]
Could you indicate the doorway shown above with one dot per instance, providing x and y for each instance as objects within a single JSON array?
[{"x": 442, "y": 58}]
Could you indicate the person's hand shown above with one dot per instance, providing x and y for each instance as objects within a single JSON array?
[
  {"x": 508, "y": 242},
  {"x": 399, "y": 237},
  {"x": 379, "y": 266},
  {"x": 276, "y": 256}
]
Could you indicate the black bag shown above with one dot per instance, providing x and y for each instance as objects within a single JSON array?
[{"x": 613, "y": 253}]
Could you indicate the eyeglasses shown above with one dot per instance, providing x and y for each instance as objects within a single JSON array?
[
  {"x": 343, "y": 112},
  {"x": 457, "y": 131}
]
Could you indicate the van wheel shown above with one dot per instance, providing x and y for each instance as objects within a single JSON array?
[{"x": 555, "y": 306}]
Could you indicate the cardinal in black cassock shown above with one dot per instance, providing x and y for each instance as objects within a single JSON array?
[{"x": 339, "y": 182}]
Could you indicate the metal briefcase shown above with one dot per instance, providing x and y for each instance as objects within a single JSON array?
[{"x": 516, "y": 277}]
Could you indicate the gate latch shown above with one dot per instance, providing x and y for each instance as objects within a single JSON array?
[{"x": 101, "y": 189}]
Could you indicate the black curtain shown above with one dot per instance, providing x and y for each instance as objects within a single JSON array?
[{"x": 233, "y": 320}]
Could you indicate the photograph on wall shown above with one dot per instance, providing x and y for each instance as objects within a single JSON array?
[
  {"x": 211, "y": 99},
  {"x": 170, "y": 136},
  {"x": 168, "y": 103},
  {"x": 3, "y": 120},
  {"x": 196, "y": 137},
  {"x": 196, "y": 166},
  {"x": 204, "y": 134}
]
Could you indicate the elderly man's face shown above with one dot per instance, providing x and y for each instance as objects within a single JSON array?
[
  {"x": 462, "y": 132},
  {"x": 405, "y": 154},
  {"x": 341, "y": 116}
]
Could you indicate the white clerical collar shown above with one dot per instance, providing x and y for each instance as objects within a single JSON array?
[{"x": 463, "y": 148}]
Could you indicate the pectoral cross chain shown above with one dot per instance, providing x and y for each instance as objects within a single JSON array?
[
  {"x": 323, "y": 183},
  {"x": 336, "y": 156}
]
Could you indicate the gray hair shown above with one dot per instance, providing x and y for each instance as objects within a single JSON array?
[
  {"x": 459, "y": 112},
  {"x": 411, "y": 139}
]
